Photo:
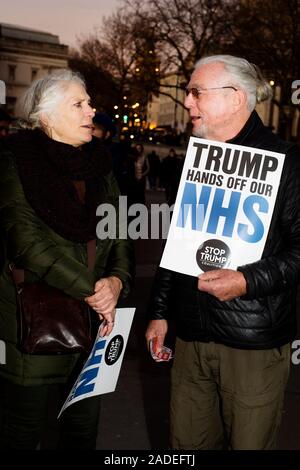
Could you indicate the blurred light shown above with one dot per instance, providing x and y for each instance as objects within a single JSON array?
[
  {"x": 135, "y": 115},
  {"x": 117, "y": 116},
  {"x": 124, "y": 97},
  {"x": 156, "y": 69},
  {"x": 150, "y": 138},
  {"x": 137, "y": 120},
  {"x": 150, "y": 52},
  {"x": 137, "y": 69},
  {"x": 132, "y": 136},
  {"x": 125, "y": 118},
  {"x": 125, "y": 105},
  {"x": 116, "y": 107},
  {"x": 272, "y": 83},
  {"x": 94, "y": 109}
]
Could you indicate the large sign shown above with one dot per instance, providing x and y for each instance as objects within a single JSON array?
[
  {"x": 223, "y": 208},
  {"x": 101, "y": 370}
]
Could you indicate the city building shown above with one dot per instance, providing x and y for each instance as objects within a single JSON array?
[
  {"x": 26, "y": 55},
  {"x": 167, "y": 109}
]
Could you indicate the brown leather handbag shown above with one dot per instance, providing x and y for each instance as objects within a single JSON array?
[{"x": 50, "y": 321}]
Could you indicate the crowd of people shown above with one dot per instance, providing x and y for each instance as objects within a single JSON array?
[
  {"x": 233, "y": 327},
  {"x": 135, "y": 169}
]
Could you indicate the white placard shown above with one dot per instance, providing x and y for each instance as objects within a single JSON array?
[
  {"x": 223, "y": 207},
  {"x": 101, "y": 370}
]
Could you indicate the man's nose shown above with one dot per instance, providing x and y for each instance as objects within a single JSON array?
[{"x": 188, "y": 101}]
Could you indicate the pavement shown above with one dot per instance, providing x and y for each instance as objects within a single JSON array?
[{"x": 135, "y": 416}]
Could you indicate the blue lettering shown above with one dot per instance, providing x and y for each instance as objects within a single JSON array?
[
  {"x": 88, "y": 375},
  {"x": 263, "y": 206},
  {"x": 218, "y": 211},
  {"x": 198, "y": 209},
  {"x": 189, "y": 201},
  {"x": 96, "y": 358},
  {"x": 85, "y": 378}
]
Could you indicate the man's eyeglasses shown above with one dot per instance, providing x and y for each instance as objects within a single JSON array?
[{"x": 197, "y": 92}]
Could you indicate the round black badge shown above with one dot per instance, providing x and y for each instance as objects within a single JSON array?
[
  {"x": 114, "y": 350},
  {"x": 213, "y": 254}
]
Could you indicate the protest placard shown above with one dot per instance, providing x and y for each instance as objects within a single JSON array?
[
  {"x": 223, "y": 207},
  {"x": 101, "y": 370}
]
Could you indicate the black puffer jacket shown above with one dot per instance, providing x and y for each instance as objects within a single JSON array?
[{"x": 265, "y": 317}]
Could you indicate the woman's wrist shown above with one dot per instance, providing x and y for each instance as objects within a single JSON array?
[{"x": 117, "y": 284}]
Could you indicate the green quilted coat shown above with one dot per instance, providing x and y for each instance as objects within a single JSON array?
[{"x": 61, "y": 263}]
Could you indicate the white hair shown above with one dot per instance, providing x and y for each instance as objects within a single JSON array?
[
  {"x": 244, "y": 75},
  {"x": 44, "y": 95}
]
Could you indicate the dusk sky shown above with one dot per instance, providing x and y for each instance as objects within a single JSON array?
[{"x": 66, "y": 18}]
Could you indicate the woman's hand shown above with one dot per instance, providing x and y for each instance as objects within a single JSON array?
[{"x": 105, "y": 299}]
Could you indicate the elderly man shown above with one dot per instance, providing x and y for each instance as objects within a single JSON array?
[{"x": 233, "y": 333}]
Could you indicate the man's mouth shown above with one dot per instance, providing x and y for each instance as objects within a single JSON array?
[
  {"x": 194, "y": 119},
  {"x": 88, "y": 126}
]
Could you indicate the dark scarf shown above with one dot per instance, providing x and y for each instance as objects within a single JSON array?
[{"x": 48, "y": 170}]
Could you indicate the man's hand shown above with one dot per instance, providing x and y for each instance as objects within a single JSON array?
[
  {"x": 225, "y": 284},
  {"x": 157, "y": 330}
]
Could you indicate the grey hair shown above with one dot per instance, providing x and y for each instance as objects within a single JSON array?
[
  {"x": 245, "y": 75},
  {"x": 43, "y": 96}
]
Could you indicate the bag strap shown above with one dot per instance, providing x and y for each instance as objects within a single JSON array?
[
  {"x": 19, "y": 274},
  {"x": 91, "y": 254}
]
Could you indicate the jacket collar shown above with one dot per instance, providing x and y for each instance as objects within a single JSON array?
[{"x": 253, "y": 124}]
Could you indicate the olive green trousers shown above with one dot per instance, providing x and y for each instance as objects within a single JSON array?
[{"x": 226, "y": 398}]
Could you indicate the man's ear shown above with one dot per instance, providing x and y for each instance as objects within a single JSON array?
[
  {"x": 240, "y": 99},
  {"x": 45, "y": 121}
]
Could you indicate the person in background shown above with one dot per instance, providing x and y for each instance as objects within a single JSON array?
[
  {"x": 168, "y": 168},
  {"x": 154, "y": 170},
  {"x": 139, "y": 170},
  {"x": 174, "y": 178},
  {"x": 234, "y": 328},
  {"x": 5, "y": 121},
  {"x": 105, "y": 130},
  {"x": 53, "y": 176}
]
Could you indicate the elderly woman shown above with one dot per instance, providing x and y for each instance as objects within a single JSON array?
[{"x": 53, "y": 177}]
